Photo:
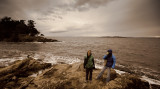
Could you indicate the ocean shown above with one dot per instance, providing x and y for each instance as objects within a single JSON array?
[{"x": 140, "y": 56}]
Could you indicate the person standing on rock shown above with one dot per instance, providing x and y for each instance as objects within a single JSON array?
[
  {"x": 89, "y": 65},
  {"x": 111, "y": 60}
]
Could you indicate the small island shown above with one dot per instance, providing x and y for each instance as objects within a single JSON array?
[{"x": 20, "y": 31}]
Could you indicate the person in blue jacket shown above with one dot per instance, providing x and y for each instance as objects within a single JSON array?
[{"x": 111, "y": 60}]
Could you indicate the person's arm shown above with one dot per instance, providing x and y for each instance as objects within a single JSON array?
[
  {"x": 114, "y": 61},
  {"x": 93, "y": 63},
  {"x": 104, "y": 57},
  {"x": 84, "y": 64},
  {"x": 105, "y": 60}
]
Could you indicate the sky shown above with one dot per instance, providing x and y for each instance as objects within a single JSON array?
[{"x": 133, "y": 18}]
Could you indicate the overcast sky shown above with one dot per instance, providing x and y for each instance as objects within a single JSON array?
[{"x": 88, "y": 17}]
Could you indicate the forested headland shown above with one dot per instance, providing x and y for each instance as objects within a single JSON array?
[{"x": 20, "y": 31}]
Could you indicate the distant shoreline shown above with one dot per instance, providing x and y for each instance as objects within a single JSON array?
[
  {"x": 31, "y": 39},
  {"x": 128, "y": 37},
  {"x": 98, "y": 37}
]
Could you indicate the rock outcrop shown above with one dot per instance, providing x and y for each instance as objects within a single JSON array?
[
  {"x": 11, "y": 76},
  {"x": 63, "y": 76}
]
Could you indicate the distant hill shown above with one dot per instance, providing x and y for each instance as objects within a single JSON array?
[
  {"x": 128, "y": 37},
  {"x": 113, "y": 37}
]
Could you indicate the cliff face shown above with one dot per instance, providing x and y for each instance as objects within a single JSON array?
[{"x": 63, "y": 76}]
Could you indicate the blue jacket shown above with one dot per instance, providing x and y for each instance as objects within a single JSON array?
[{"x": 111, "y": 61}]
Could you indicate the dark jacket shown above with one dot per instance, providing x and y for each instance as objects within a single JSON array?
[{"x": 109, "y": 61}]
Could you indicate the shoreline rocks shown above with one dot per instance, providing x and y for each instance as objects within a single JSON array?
[
  {"x": 63, "y": 76},
  {"x": 27, "y": 38},
  {"x": 10, "y": 75}
]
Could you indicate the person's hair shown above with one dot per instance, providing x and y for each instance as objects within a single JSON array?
[{"x": 87, "y": 53}]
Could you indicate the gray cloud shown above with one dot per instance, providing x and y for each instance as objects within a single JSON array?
[
  {"x": 92, "y": 3},
  {"x": 20, "y": 9},
  {"x": 58, "y": 31},
  {"x": 145, "y": 11},
  {"x": 104, "y": 17},
  {"x": 83, "y": 5}
]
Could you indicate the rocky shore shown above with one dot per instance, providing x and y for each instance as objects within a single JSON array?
[
  {"x": 22, "y": 38},
  {"x": 19, "y": 75},
  {"x": 34, "y": 39}
]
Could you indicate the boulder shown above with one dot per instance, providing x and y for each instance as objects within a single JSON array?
[{"x": 127, "y": 81}]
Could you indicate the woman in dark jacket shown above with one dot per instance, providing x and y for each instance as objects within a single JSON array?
[{"x": 89, "y": 65}]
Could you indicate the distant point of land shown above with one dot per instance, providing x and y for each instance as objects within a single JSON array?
[
  {"x": 18, "y": 31},
  {"x": 113, "y": 37}
]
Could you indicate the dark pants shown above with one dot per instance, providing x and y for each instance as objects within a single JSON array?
[{"x": 89, "y": 72}]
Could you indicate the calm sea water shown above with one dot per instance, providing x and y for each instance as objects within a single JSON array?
[{"x": 134, "y": 55}]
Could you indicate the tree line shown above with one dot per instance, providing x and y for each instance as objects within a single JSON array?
[{"x": 12, "y": 30}]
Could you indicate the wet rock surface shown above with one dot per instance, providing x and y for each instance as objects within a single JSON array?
[{"x": 63, "y": 76}]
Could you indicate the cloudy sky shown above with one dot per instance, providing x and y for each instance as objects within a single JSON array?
[{"x": 88, "y": 17}]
